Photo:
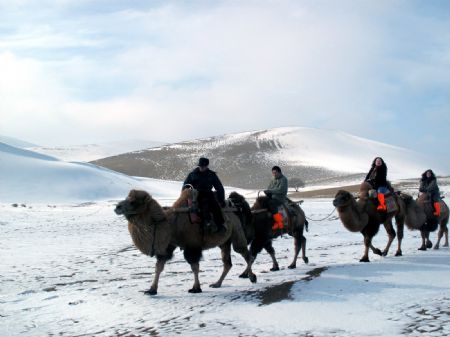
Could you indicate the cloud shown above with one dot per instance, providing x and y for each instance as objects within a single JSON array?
[{"x": 170, "y": 71}]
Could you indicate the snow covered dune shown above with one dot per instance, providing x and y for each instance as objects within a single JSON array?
[{"x": 27, "y": 176}]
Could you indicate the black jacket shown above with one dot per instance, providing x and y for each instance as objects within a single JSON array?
[
  {"x": 377, "y": 176},
  {"x": 429, "y": 185},
  {"x": 205, "y": 181}
]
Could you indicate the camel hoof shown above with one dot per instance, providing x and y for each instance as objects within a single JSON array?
[
  {"x": 399, "y": 253},
  {"x": 276, "y": 268},
  {"x": 292, "y": 266},
  {"x": 436, "y": 247},
  {"x": 384, "y": 253},
  {"x": 422, "y": 248},
  {"x": 215, "y": 285},
  {"x": 429, "y": 244},
  {"x": 364, "y": 259},
  {"x": 252, "y": 278},
  {"x": 244, "y": 275},
  {"x": 306, "y": 260},
  {"x": 195, "y": 290},
  {"x": 378, "y": 252},
  {"x": 151, "y": 292},
  {"x": 445, "y": 245}
]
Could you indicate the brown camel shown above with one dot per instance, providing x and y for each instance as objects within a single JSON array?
[
  {"x": 419, "y": 216},
  {"x": 262, "y": 218},
  {"x": 158, "y": 231},
  {"x": 362, "y": 216}
]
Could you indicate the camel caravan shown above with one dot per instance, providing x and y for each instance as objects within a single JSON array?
[{"x": 201, "y": 219}]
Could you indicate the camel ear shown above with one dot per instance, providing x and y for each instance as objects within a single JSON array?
[{"x": 148, "y": 198}]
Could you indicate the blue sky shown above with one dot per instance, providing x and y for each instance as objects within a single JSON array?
[{"x": 76, "y": 72}]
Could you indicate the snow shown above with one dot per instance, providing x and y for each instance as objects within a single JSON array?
[
  {"x": 69, "y": 268},
  {"x": 313, "y": 147},
  {"x": 30, "y": 177},
  {"x": 90, "y": 152},
  {"x": 15, "y": 142},
  {"x": 72, "y": 270},
  {"x": 340, "y": 151}
]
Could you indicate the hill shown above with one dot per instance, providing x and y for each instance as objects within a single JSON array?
[{"x": 316, "y": 156}]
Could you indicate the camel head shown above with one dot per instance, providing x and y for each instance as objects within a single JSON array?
[
  {"x": 136, "y": 203},
  {"x": 342, "y": 199},
  {"x": 236, "y": 198}
]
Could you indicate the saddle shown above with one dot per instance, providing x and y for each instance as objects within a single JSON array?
[
  {"x": 389, "y": 200},
  {"x": 282, "y": 223}
]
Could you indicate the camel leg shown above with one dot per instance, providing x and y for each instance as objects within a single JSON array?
[
  {"x": 226, "y": 259},
  {"x": 440, "y": 235},
  {"x": 391, "y": 234},
  {"x": 240, "y": 246},
  {"x": 424, "y": 246},
  {"x": 400, "y": 229},
  {"x": 196, "y": 287},
  {"x": 160, "y": 262},
  {"x": 367, "y": 244},
  {"x": 192, "y": 256},
  {"x": 304, "y": 257},
  {"x": 269, "y": 249},
  {"x": 446, "y": 237},
  {"x": 429, "y": 243},
  {"x": 297, "y": 244},
  {"x": 375, "y": 250}
]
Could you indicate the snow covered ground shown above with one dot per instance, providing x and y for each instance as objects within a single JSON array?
[{"x": 71, "y": 270}]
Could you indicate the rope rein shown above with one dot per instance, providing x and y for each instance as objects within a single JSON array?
[{"x": 334, "y": 210}]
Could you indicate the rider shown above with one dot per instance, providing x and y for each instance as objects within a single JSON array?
[
  {"x": 203, "y": 179},
  {"x": 277, "y": 192},
  {"x": 377, "y": 178},
  {"x": 428, "y": 184}
]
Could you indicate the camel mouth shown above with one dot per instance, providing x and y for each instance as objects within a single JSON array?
[
  {"x": 119, "y": 210},
  {"x": 339, "y": 201}
]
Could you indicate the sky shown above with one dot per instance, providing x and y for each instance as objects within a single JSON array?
[{"x": 78, "y": 71}]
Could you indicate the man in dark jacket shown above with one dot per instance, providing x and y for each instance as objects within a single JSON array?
[
  {"x": 203, "y": 180},
  {"x": 428, "y": 184}
]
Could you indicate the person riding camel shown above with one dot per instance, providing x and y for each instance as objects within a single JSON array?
[
  {"x": 203, "y": 180},
  {"x": 277, "y": 192},
  {"x": 377, "y": 178},
  {"x": 428, "y": 184}
]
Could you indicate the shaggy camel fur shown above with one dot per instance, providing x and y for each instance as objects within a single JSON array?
[
  {"x": 419, "y": 216},
  {"x": 158, "y": 232},
  {"x": 362, "y": 216},
  {"x": 262, "y": 218}
]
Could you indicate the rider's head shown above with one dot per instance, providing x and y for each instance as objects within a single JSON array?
[
  {"x": 203, "y": 164},
  {"x": 276, "y": 171}
]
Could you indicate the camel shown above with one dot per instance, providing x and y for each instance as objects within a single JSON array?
[
  {"x": 157, "y": 232},
  {"x": 260, "y": 234},
  {"x": 362, "y": 216},
  {"x": 419, "y": 216}
]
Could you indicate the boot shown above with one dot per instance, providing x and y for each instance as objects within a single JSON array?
[
  {"x": 381, "y": 202},
  {"x": 437, "y": 208},
  {"x": 277, "y": 221}
]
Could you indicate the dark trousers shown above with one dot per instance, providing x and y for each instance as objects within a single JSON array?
[{"x": 208, "y": 204}]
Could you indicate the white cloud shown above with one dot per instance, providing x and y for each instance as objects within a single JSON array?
[{"x": 174, "y": 71}]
